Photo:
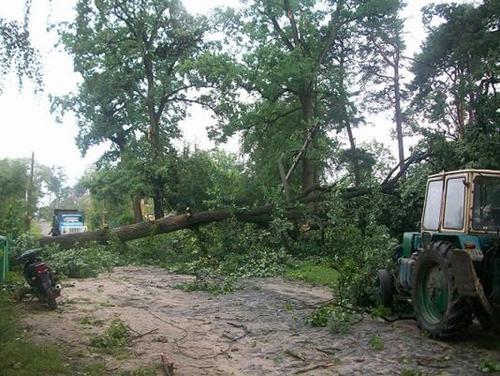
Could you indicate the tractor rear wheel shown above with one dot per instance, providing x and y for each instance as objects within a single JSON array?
[{"x": 439, "y": 309}]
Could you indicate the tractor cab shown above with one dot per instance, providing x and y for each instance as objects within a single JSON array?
[
  {"x": 450, "y": 270},
  {"x": 465, "y": 202}
]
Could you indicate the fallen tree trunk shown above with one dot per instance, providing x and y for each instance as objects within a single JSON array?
[
  {"x": 171, "y": 223},
  {"x": 161, "y": 226},
  {"x": 260, "y": 214}
]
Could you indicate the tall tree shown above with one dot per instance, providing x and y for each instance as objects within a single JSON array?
[
  {"x": 286, "y": 43},
  {"x": 381, "y": 53},
  {"x": 289, "y": 70},
  {"x": 143, "y": 49},
  {"x": 457, "y": 72},
  {"x": 456, "y": 84}
]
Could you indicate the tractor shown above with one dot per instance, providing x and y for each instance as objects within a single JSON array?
[{"x": 450, "y": 270}]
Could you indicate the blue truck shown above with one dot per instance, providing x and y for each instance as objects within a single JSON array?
[{"x": 67, "y": 221}]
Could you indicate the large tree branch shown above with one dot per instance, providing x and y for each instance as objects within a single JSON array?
[
  {"x": 281, "y": 33},
  {"x": 297, "y": 38}
]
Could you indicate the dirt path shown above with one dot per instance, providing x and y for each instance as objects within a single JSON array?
[{"x": 259, "y": 329}]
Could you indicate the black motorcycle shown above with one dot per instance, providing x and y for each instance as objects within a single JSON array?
[{"x": 40, "y": 278}]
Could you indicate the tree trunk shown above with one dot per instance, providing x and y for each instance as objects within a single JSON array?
[
  {"x": 354, "y": 156},
  {"x": 309, "y": 171},
  {"x": 136, "y": 205},
  {"x": 398, "y": 113},
  {"x": 161, "y": 226},
  {"x": 158, "y": 201},
  {"x": 171, "y": 223}
]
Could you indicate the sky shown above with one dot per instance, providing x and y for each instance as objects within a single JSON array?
[{"x": 26, "y": 124}]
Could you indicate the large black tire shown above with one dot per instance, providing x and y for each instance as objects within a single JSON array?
[
  {"x": 439, "y": 309},
  {"x": 384, "y": 288}
]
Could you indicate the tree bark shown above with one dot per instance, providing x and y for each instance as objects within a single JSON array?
[
  {"x": 309, "y": 171},
  {"x": 158, "y": 201},
  {"x": 354, "y": 156},
  {"x": 136, "y": 205},
  {"x": 398, "y": 112}
]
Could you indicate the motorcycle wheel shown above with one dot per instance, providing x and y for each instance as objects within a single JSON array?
[{"x": 49, "y": 295}]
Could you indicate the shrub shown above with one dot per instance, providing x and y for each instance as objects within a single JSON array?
[
  {"x": 114, "y": 339},
  {"x": 82, "y": 262}
]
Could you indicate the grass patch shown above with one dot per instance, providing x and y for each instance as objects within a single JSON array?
[
  {"x": 316, "y": 274},
  {"x": 147, "y": 371},
  {"x": 489, "y": 366},
  {"x": 376, "y": 343},
  {"x": 338, "y": 319},
  {"x": 224, "y": 285},
  {"x": 97, "y": 369},
  {"x": 113, "y": 340},
  {"x": 18, "y": 355}
]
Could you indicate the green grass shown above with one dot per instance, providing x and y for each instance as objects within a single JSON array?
[
  {"x": 223, "y": 286},
  {"x": 315, "y": 274},
  {"x": 18, "y": 355},
  {"x": 376, "y": 343},
  {"x": 114, "y": 340}
]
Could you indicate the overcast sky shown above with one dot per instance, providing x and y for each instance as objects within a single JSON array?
[{"x": 26, "y": 124}]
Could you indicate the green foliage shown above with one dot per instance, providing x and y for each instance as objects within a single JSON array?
[
  {"x": 381, "y": 311},
  {"x": 214, "y": 285},
  {"x": 17, "y": 53},
  {"x": 82, "y": 262},
  {"x": 210, "y": 180},
  {"x": 18, "y": 355},
  {"x": 338, "y": 319},
  {"x": 113, "y": 340},
  {"x": 410, "y": 372},
  {"x": 316, "y": 274},
  {"x": 358, "y": 245},
  {"x": 13, "y": 183},
  {"x": 376, "y": 343},
  {"x": 489, "y": 366},
  {"x": 96, "y": 369},
  {"x": 143, "y": 371},
  {"x": 454, "y": 71},
  {"x": 14, "y": 180}
]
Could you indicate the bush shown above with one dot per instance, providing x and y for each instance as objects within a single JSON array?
[
  {"x": 338, "y": 319},
  {"x": 114, "y": 339},
  {"x": 82, "y": 262},
  {"x": 358, "y": 247}
]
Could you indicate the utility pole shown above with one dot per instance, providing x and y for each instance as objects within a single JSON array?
[{"x": 29, "y": 195}]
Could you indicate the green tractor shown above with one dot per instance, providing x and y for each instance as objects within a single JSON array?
[{"x": 450, "y": 270}]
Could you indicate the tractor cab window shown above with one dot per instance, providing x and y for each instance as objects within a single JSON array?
[
  {"x": 433, "y": 205},
  {"x": 486, "y": 210},
  {"x": 454, "y": 205}
]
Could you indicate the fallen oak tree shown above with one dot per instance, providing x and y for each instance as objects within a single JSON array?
[{"x": 178, "y": 222}]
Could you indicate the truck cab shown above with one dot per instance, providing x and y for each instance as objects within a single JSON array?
[{"x": 67, "y": 221}]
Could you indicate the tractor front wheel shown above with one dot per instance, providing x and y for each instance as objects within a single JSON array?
[
  {"x": 384, "y": 285},
  {"x": 438, "y": 307}
]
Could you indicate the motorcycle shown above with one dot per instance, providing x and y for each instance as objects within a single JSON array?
[{"x": 40, "y": 278}]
